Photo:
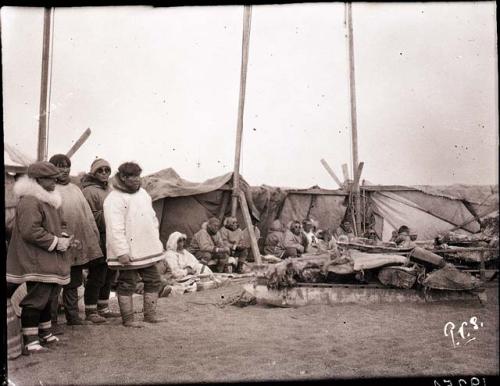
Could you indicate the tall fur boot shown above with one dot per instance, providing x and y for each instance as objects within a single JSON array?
[
  {"x": 127, "y": 311},
  {"x": 150, "y": 302}
]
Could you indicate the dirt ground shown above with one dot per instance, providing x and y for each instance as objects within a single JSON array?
[{"x": 204, "y": 341}]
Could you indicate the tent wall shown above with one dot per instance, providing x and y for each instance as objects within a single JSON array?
[
  {"x": 425, "y": 214},
  {"x": 187, "y": 214},
  {"x": 327, "y": 210}
]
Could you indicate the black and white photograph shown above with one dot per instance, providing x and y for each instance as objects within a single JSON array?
[{"x": 250, "y": 193}]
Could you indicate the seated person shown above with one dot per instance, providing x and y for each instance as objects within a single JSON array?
[
  {"x": 404, "y": 240},
  {"x": 371, "y": 236},
  {"x": 274, "y": 240},
  {"x": 232, "y": 237},
  {"x": 393, "y": 237},
  {"x": 345, "y": 229},
  {"x": 293, "y": 241},
  {"x": 308, "y": 232},
  {"x": 208, "y": 247},
  {"x": 326, "y": 242},
  {"x": 180, "y": 269}
]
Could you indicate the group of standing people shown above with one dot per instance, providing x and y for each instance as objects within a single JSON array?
[{"x": 108, "y": 227}]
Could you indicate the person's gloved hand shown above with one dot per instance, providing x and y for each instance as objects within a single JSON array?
[
  {"x": 63, "y": 244},
  {"x": 124, "y": 259}
]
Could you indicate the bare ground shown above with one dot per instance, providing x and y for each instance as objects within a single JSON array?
[{"x": 204, "y": 341}]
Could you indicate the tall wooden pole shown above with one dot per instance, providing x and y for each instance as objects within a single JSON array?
[
  {"x": 247, "y": 17},
  {"x": 354, "y": 122},
  {"x": 42, "y": 120}
]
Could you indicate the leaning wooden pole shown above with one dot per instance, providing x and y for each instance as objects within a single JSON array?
[
  {"x": 42, "y": 121},
  {"x": 250, "y": 228},
  {"x": 247, "y": 17},
  {"x": 354, "y": 122}
]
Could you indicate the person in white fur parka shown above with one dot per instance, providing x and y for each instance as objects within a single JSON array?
[{"x": 133, "y": 242}]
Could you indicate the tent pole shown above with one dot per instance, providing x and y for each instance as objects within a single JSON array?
[
  {"x": 247, "y": 17},
  {"x": 248, "y": 222},
  {"x": 78, "y": 143},
  {"x": 42, "y": 120},
  {"x": 331, "y": 172},
  {"x": 354, "y": 124}
]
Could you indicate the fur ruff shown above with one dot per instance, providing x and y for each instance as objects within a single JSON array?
[
  {"x": 27, "y": 186},
  {"x": 172, "y": 241}
]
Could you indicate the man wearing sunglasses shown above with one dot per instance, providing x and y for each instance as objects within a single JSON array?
[{"x": 95, "y": 188}]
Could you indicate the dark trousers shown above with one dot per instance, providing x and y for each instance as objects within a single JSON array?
[
  {"x": 54, "y": 308},
  {"x": 105, "y": 290},
  {"x": 291, "y": 252},
  {"x": 95, "y": 281},
  {"x": 241, "y": 254},
  {"x": 36, "y": 305},
  {"x": 127, "y": 280},
  {"x": 216, "y": 261}
]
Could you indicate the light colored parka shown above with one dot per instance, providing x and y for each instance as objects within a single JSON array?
[{"x": 131, "y": 228}]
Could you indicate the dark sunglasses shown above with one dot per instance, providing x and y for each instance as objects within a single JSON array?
[{"x": 103, "y": 170}]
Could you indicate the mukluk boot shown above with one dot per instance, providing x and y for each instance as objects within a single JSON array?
[
  {"x": 104, "y": 310},
  {"x": 45, "y": 334},
  {"x": 150, "y": 302},
  {"x": 32, "y": 341},
  {"x": 127, "y": 311},
  {"x": 92, "y": 315}
]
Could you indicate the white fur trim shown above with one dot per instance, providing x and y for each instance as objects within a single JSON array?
[
  {"x": 172, "y": 240},
  {"x": 54, "y": 244},
  {"x": 27, "y": 186}
]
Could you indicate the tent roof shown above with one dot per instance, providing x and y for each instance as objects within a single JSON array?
[
  {"x": 475, "y": 194},
  {"x": 14, "y": 160},
  {"x": 167, "y": 183}
]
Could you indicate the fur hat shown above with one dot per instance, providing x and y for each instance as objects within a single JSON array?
[
  {"x": 99, "y": 163},
  {"x": 43, "y": 169}
]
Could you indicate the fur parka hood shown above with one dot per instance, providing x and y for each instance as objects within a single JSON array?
[
  {"x": 172, "y": 241},
  {"x": 27, "y": 186}
]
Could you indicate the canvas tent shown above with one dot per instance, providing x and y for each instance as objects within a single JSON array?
[
  {"x": 183, "y": 206},
  {"x": 430, "y": 210}
]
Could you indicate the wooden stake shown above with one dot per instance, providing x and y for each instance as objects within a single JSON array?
[
  {"x": 248, "y": 223},
  {"x": 331, "y": 172},
  {"x": 42, "y": 120},
  {"x": 357, "y": 199},
  {"x": 247, "y": 17},
  {"x": 79, "y": 143}
]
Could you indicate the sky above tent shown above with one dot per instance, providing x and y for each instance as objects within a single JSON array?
[{"x": 160, "y": 86}]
